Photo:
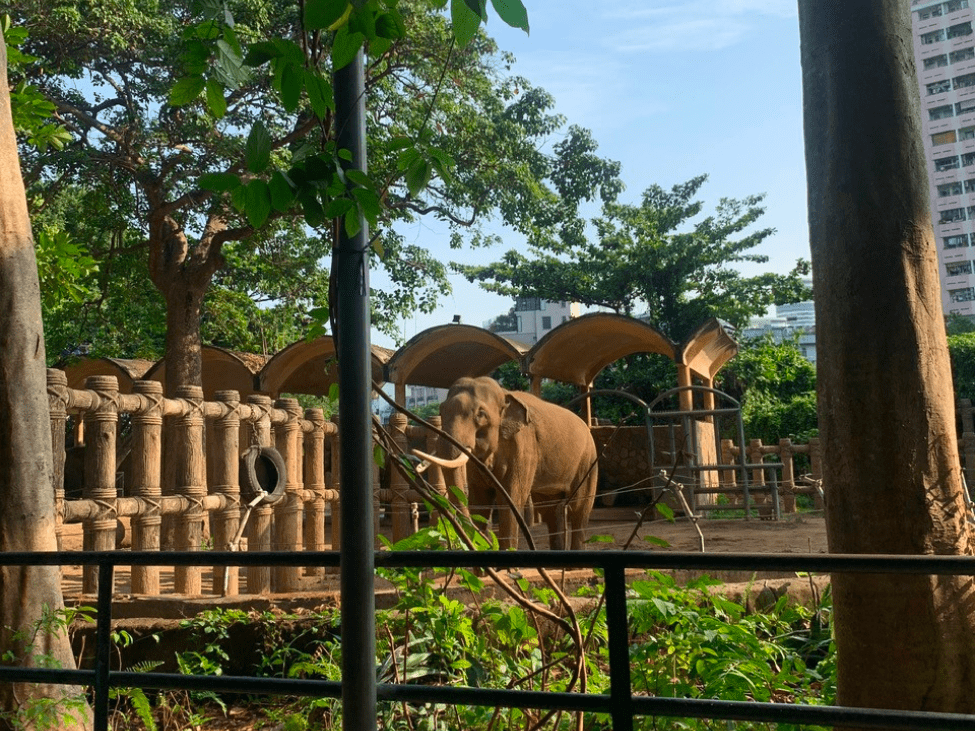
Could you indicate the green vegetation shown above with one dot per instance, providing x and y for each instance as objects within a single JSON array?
[
  {"x": 652, "y": 258},
  {"x": 686, "y": 641}
]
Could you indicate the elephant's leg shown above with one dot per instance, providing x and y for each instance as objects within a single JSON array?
[
  {"x": 508, "y": 530},
  {"x": 554, "y": 518},
  {"x": 578, "y": 513}
]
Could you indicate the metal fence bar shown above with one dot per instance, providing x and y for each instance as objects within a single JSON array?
[
  {"x": 620, "y": 704},
  {"x": 103, "y": 644},
  {"x": 619, "y": 648}
]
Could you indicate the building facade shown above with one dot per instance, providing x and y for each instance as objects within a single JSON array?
[
  {"x": 797, "y": 320},
  {"x": 532, "y": 318},
  {"x": 944, "y": 51}
]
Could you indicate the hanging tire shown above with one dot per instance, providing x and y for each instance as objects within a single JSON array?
[{"x": 262, "y": 472}]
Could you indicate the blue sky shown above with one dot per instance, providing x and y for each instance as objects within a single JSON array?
[{"x": 671, "y": 89}]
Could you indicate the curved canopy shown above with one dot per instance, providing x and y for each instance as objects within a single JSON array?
[
  {"x": 126, "y": 370},
  {"x": 440, "y": 355},
  {"x": 577, "y": 350},
  {"x": 708, "y": 348},
  {"x": 309, "y": 367},
  {"x": 222, "y": 370}
]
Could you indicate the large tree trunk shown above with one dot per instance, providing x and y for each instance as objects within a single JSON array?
[
  {"x": 27, "y": 517},
  {"x": 886, "y": 412}
]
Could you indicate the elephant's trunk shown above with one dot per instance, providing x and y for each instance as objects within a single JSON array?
[{"x": 450, "y": 464}]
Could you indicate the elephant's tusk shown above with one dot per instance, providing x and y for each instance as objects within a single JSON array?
[
  {"x": 450, "y": 464},
  {"x": 422, "y": 467}
]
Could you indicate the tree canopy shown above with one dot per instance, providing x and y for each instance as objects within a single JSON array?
[
  {"x": 652, "y": 259},
  {"x": 203, "y": 153}
]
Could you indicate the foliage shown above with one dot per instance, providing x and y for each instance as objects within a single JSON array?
[
  {"x": 650, "y": 257},
  {"x": 776, "y": 387},
  {"x": 684, "y": 642},
  {"x": 41, "y": 713},
  {"x": 206, "y": 134},
  {"x": 959, "y": 324},
  {"x": 962, "y": 351}
]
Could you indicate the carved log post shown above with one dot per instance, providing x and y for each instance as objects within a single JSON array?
[
  {"x": 397, "y": 482},
  {"x": 788, "y": 486},
  {"x": 57, "y": 398},
  {"x": 968, "y": 449},
  {"x": 224, "y": 448},
  {"x": 259, "y": 527},
  {"x": 314, "y": 478},
  {"x": 967, "y": 422},
  {"x": 434, "y": 474},
  {"x": 288, "y": 511},
  {"x": 146, "y": 461},
  {"x": 101, "y": 427},
  {"x": 758, "y": 478},
  {"x": 336, "y": 505},
  {"x": 816, "y": 471},
  {"x": 728, "y": 477},
  {"x": 190, "y": 462},
  {"x": 376, "y": 504}
]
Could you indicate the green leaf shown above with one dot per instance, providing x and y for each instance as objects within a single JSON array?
[
  {"x": 258, "y": 203},
  {"x": 312, "y": 209},
  {"x": 186, "y": 90},
  {"x": 338, "y": 207},
  {"x": 666, "y": 511},
  {"x": 600, "y": 539},
  {"x": 657, "y": 541},
  {"x": 215, "y": 99},
  {"x": 323, "y": 14},
  {"x": 319, "y": 93},
  {"x": 358, "y": 177},
  {"x": 465, "y": 22},
  {"x": 258, "y": 150},
  {"x": 229, "y": 66},
  {"x": 238, "y": 198},
  {"x": 291, "y": 81},
  {"x": 368, "y": 203},
  {"x": 345, "y": 46},
  {"x": 282, "y": 193},
  {"x": 260, "y": 53},
  {"x": 418, "y": 176},
  {"x": 390, "y": 25},
  {"x": 219, "y": 182},
  {"x": 512, "y": 12},
  {"x": 353, "y": 223}
]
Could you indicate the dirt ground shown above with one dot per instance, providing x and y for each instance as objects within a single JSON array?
[{"x": 805, "y": 533}]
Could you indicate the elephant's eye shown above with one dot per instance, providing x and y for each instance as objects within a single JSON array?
[{"x": 480, "y": 418}]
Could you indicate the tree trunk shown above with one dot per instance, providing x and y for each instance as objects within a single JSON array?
[
  {"x": 886, "y": 412},
  {"x": 27, "y": 516}
]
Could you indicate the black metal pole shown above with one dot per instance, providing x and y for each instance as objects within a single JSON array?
[{"x": 351, "y": 263}]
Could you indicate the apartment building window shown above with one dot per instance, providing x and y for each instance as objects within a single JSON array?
[
  {"x": 968, "y": 159},
  {"x": 966, "y": 294},
  {"x": 949, "y": 189},
  {"x": 935, "y": 36},
  {"x": 935, "y": 11},
  {"x": 964, "y": 54},
  {"x": 956, "y": 242},
  {"x": 944, "y": 112},
  {"x": 959, "y": 30},
  {"x": 946, "y": 163},
  {"x": 971, "y": 213},
  {"x": 951, "y": 215},
  {"x": 546, "y": 323},
  {"x": 966, "y": 133},
  {"x": 943, "y": 138},
  {"x": 965, "y": 107},
  {"x": 963, "y": 82},
  {"x": 953, "y": 6},
  {"x": 956, "y": 270},
  {"x": 940, "y": 87},
  {"x": 970, "y": 185},
  {"x": 935, "y": 62}
]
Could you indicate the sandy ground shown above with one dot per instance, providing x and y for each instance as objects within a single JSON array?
[{"x": 804, "y": 533}]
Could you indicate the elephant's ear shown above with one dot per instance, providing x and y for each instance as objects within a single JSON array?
[{"x": 516, "y": 415}]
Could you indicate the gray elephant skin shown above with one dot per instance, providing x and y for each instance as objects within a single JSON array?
[{"x": 535, "y": 449}]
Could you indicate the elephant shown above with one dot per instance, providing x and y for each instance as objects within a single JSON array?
[{"x": 537, "y": 450}]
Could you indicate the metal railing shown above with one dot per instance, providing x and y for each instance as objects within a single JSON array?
[{"x": 620, "y": 704}]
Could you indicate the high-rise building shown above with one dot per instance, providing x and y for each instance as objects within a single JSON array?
[{"x": 944, "y": 50}]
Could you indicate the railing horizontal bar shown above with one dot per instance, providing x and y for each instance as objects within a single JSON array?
[
  {"x": 818, "y": 563},
  {"x": 592, "y": 703},
  {"x": 802, "y": 714}
]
